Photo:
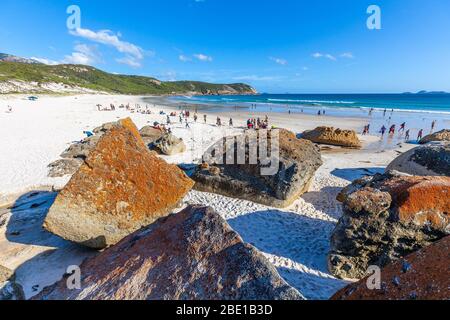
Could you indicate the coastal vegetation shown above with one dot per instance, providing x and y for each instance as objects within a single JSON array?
[{"x": 20, "y": 77}]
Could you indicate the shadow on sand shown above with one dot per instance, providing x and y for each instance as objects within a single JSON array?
[
  {"x": 352, "y": 174},
  {"x": 46, "y": 257},
  {"x": 291, "y": 236}
]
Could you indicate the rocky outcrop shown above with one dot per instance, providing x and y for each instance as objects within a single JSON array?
[
  {"x": 74, "y": 156},
  {"x": 443, "y": 135},
  {"x": 169, "y": 145},
  {"x": 63, "y": 167},
  {"x": 192, "y": 255},
  {"x": 432, "y": 159},
  {"x": 334, "y": 137},
  {"x": 120, "y": 187},
  {"x": 288, "y": 175},
  {"x": 422, "y": 275},
  {"x": 387, "y": 217},
  {"x": 9, "y": 288},
  {"x": 150, "y": 135}
]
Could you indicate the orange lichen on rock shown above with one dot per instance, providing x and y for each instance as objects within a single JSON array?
[
  {"x": 120, "y": 188},
  {"x": 421, "y": 199}
]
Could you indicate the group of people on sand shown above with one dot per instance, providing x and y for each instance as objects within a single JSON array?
[
  {"x": 137, "y": 108},
  {"x": 258, "y": 123},
  {"x": 219, "y": 122},
  {"x": 100, "y": 107},
  {"x": 401, "y": 130}
]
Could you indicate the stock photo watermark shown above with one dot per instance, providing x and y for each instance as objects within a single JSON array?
[
  {"x": 374, "y": 280},
  {"x": 261, "y": 147},
  {"x": 73, "y": 281},
  {"x": 74, "y": 19},
  {"x": 374, "y": 20}
]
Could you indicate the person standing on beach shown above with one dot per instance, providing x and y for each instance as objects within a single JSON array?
[
  {"x": 231, "y": 122},
  {"x": 407, "y": 135},
  {"x": 187, "y": 124},
  {"x": 319, "y": 113},
  {"x": 392, "y": 129},
  {"x": 168, "y": 120},
  {"x": 195, "y": 118},
  {"x": 383, "y": 131},
  {"x": 204, "y": 118},
  {"x": 420, "y": 135},
  {"x": 433, "y": 125},
  {"x": 402, "y": 127},
  {"x": 384, "y": 113}
]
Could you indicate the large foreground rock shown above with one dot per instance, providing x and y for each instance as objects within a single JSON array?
[
  {"x": 388, "y": 217},
  {"x": 334, "y": 137},
  {"x": 423, "y": 275},
  {"x": 294, "y": 170},
  {"x": 190, "y": 255},
  {"x": 443, "y": 135},
  {"x": 429, "y": 160},
  {"x": 121, "y": 187}
]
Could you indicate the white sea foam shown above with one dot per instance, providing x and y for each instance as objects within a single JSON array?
[{"x": 312, "y": 101}]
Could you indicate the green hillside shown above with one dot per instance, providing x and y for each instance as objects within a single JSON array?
[{"x": 92, "y": 78}]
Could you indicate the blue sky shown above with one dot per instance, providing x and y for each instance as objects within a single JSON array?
[{"x": 277, "y": 46}]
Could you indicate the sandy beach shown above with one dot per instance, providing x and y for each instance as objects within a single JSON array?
[{"x": 295, "y": 240}]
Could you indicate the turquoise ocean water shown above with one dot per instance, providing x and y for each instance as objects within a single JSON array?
[{"x": 417, "y": 110}]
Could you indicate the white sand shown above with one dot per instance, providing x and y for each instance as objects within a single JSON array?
[{"x": 295, "y": 240}]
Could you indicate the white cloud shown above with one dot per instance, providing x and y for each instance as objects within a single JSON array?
[
  {"x": 83, "y": 54},
  {"x": 280, "y": 61},
  {"x": 133, "y": 53},
  {"x": 319, "y": 55},
  {"x": 184, "y": 58},
  {"x": 347, "y": 55},
  {"x": 45, "y": 61},
  {"x": 203, "y": 57}
]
